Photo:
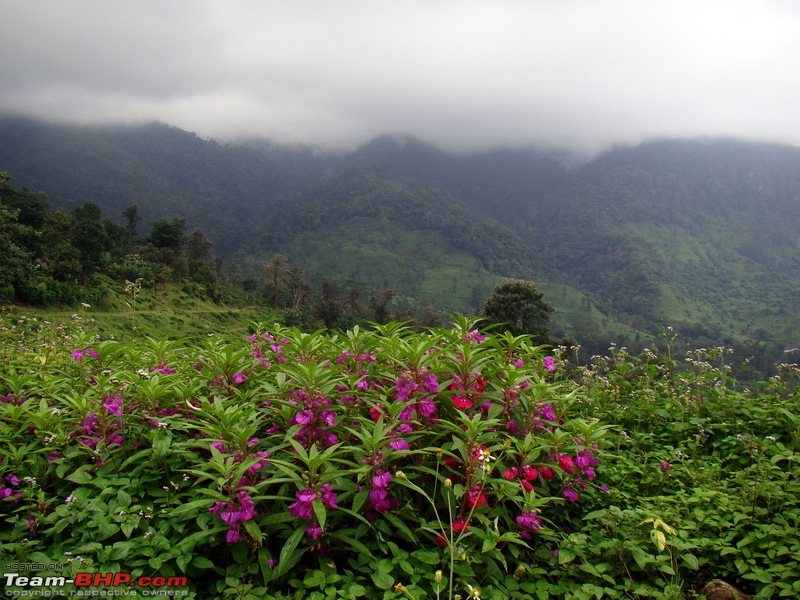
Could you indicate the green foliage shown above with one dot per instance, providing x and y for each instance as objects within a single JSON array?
[
  {"x": 388, "y": 463},
  {"x": 519, "y": 308}
]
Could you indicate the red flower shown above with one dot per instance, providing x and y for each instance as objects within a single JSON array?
[
  {"x": 374, "y": 413},
  {"x": 511, "y": 474},
  {"x": 547, "y": 473},
  {"x": 565, "y": 462},
  {"x": 460, "y": 525},
  {"x": 530, "y": 473},
  {"x": 462, "y": 402}
]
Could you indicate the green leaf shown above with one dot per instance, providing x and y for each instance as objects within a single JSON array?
[
  {"x": 382, "y": 580},
  {"x": 80, "y": 476},
  {"x": 289, "y": 555},
  {"x": 356, "y": 590},
  {"x": 641, "y": 557},
  {"x": 691, "y": 560},
  {"x": 565, "y": 556},
  {"x": 427, "y": 556},
  {"x": 201, "y": 562},
  {"x": 314, "y": 579},
  {"x": 124, "y": 498},
  {"x": 161, "y": 444}
]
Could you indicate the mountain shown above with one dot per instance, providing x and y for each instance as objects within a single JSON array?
[
  {"x": 225, "y": 190},
  {"x": 700, "y": 234}
]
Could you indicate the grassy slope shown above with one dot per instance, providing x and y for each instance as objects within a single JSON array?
[
  {"x": 415, "y": 263},
  {"x": 170, "y": 312}
]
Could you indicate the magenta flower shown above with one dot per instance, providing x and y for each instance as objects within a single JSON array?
[
  {"x": 303, "y": 507},
  {"x": 549, "y": 363},
  {"x": 233, "y": 535},
  {"x": 113, "y": 404},
  {"x": 328, "y": 496},
  {"x": 313, "y": 531},
  {"x": 381, "y": 479},
  {"x": 399, "y": 444},
  {"x": 529, "y": 522},
  {"x": 571, "y": 495},
  {"x": 665, "y": 467}
]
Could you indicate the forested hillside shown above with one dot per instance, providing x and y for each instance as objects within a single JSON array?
[{"x": 700, "y": 234}]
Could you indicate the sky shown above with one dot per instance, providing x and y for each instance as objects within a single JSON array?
[{"x": 579, "y": 75}]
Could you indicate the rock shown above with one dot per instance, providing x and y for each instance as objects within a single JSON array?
[{"x": 719, "y": 590}]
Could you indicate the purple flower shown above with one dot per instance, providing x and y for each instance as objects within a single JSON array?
[
  {"x": 530, "y": 522},
  {"x": 665, "y": 466},
  {"x": 303, "y": 507},
  {"x": 381, "y": 479},
  {"x": 328, "y": 495},
  {"x": 430, "y": 383},
  {"x": 304, "y": 417},
  {"x": 113, "y": 404},
  {"x": 313, "y": 531},
  {"x": 238, "y": 377},
  {"x": 399, "y": 444},
  {"x": 549, "y": 363},
  {"x": 571, "y": 495},
  {"x": 77, "y": 354},
  {"x": 405, "y": 389},
  {"x": 12, "y": 479},
  {"x": 233, "y": 535}
]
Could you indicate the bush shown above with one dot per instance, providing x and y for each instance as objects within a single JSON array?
[{"x": 382, "y": 462}]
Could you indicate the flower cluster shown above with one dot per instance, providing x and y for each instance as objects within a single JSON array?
[
  {"x": 315, "y": 417},
  {"x": 103, "y": 426},
  {"x": 234, "y": 512},
  {"x": 8, "y": 491},
  {"x": 303, "y": 506},
  {"x": 379, "y": 497},
  {"x": 468, "y": 390},
  {"x": 529, "y": 523}
]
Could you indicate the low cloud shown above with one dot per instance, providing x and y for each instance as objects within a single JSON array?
[{"x": 576, "y": 74}]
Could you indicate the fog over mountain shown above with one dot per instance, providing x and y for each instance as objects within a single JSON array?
[{"x": 576, "y": 75}]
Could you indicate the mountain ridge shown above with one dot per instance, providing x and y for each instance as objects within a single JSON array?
[{"x": 702, "y": 233}]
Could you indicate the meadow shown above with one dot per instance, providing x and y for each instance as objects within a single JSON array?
[{"x": 391, "y": 462}]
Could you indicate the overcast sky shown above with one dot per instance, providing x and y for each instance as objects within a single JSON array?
[{"x": 576, "y": 74}]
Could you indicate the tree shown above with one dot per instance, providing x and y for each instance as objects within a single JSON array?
[
  {"x": 169, "y": 234},
  {"x": 518, "y": 307},
  {"x": 131, "y": 215},
  {"x": 329, "y": 307}
]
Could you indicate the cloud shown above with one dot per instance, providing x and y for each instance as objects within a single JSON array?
[{"x": 579, "y": 74}]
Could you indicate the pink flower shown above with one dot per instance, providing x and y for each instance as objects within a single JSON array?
[
  {"x": 113, "y": 404},
  {"x": 399, "y": 444},
  {"x": 529, "y": 522},
  {"x": 549, "y": 363},
  {"x": 303, "y": 508},
  {"x": 313, "y": 531},
  {"x": 233, "y": 535}
]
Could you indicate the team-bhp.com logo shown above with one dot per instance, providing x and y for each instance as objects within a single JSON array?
[{"x": 94, "y": 584}]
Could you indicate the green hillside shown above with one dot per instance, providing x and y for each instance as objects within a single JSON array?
[{"x": 700, "y": 234}]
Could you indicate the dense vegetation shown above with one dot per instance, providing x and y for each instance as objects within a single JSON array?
[
  {"x": 393, "y": 463},
  {"x": 698, "y": 233}
]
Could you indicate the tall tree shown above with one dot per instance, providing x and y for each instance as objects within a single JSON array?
[
  {"x": 518, "y": 307},
  {"x": 132, "y": 217}
]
